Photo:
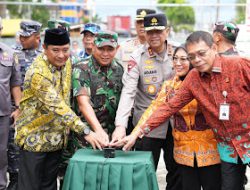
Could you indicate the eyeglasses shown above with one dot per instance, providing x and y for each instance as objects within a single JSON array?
[
  {"x": 200, "y": 54},
  {"x": 180, "y": 59}
]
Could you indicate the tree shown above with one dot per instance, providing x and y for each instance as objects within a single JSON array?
[
  {"x": 37, "y": 13},
  {"x": 180, "y": 18},
  {"x": 240, "y": 13}
]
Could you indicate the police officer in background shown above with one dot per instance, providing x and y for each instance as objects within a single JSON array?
[
  {"x": 27, "y": 51},
  {"x": 127, "y": 47},
  {"x": 89, "y": 31},
  {"x": 148, "y": 67},
  {"x": 10, "y": 82}
]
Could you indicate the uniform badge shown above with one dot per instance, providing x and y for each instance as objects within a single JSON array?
[
  {"x": 151, "y": 89},
  {"x": 143, "y": 13},
  {"x": 149, "y": 67},
  {"x": 154, "y": 21},
  {"x": 154, "y": 79},
  {"x": 131, "y": 65},
  {"x": 149, "y": 61},
  {"x": 147, "y": 80},
  {"x": 16, "y": 59}
]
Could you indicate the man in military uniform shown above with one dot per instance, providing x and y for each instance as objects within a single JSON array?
[
  {"x": 127, "y": 47},
  {"x": 10, "y": 82},
  {"x": 30, "y": 42},
  {"x": 224, "y": 36},
  {"x": 97, "y": 84},
  {"x": 148, "y": 67},
  {"x": 89, "y": 31}
]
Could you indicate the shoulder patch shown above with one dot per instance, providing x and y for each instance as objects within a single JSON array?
[{"x": 131, "y": 65}]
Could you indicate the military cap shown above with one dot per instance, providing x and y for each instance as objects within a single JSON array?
[
  {"x": 56, "y": 36},
  {"x": 59, "y": 24},
  {"x": 228, "y": 29},
  {"x": 91, "y": 27},
  {"x": 141, "y": 13},
  {"x": 155, "y": 22},
  {"x": 106, "y": 38},
  {"x": 29, "y": 27}
]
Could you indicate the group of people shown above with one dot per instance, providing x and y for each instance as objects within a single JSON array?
[{"x": 190, "y": 103}]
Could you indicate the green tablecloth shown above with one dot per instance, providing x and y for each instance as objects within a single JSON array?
[{"x": 89, "y": 170}]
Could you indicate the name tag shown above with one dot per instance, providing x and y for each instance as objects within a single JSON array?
[{"x": 224, "y": 112}]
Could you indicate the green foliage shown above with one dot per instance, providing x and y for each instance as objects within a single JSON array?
[
  {"x": 180, "y": 18},
  {"x": 240, "y": 13},
  {"x": 37, "y": 13}
]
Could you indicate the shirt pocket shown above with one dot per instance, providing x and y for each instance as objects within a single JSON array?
[{"x": 5, "y": 69}]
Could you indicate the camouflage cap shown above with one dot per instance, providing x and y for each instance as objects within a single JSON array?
[
  {"x": 228, "y": 29},
  {"x": 59, "y": 24},
  {"x": 141, "y": 13},
  {"x": 155, "y": 22},
  {"x": 106, "y": 38},
  {"x": 29, "y": 27},
  {"x": 91, "y": 27}
]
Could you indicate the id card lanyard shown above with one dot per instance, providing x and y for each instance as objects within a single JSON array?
[{"x": 224, "y": 108}]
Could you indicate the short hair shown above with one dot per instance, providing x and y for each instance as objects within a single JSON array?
[{"x": 198, "y": 36}]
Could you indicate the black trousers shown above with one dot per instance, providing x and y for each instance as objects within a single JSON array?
[
  {"x": 193, "y": 178},
  {"x": 155, "y": 145},
  {"x": 233, "y": 175},
  {"x": 38, "y": 170}
]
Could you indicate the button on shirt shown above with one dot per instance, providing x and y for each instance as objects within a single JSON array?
[
  {"x": 9, "y": 77},
  {"x": 230, "y": 74}
]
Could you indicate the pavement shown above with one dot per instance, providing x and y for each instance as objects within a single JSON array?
[{"x": 161, "y": 175}]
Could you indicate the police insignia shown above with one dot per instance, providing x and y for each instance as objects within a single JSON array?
[
  {"x": 149, "y": 61},
  {"x": 154, "y": 21},
  {"x": 151, "y": 89},
  {"x": 131, "y": 65},
  {"x": 16, "y": 59}
]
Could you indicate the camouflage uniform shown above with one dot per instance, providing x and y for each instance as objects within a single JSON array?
[
  {"x": 103, "y": 85},
  {"x": 25, "y": 59}
]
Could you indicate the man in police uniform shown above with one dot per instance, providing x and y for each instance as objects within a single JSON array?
[
  {"x": 148, "y": 67},
  {"x": 89, "y": 31},
  {"x": 29, "y": 36},
  {"x": 127, "y": 47},
  {"x": 10, "y": 81},
  {"x": 224, "y": 36}
]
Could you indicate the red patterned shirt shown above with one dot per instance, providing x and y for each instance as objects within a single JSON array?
[{"x": 230, "y": 74}]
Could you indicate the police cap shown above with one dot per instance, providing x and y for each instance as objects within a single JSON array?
[
  {"x": 141, "y": 13},
  {"x": 155, "y": 22}
]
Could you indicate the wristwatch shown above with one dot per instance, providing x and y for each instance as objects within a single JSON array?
[
  {"x": 86, "y": 131},
  {"x": 17, "y": 107}
]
